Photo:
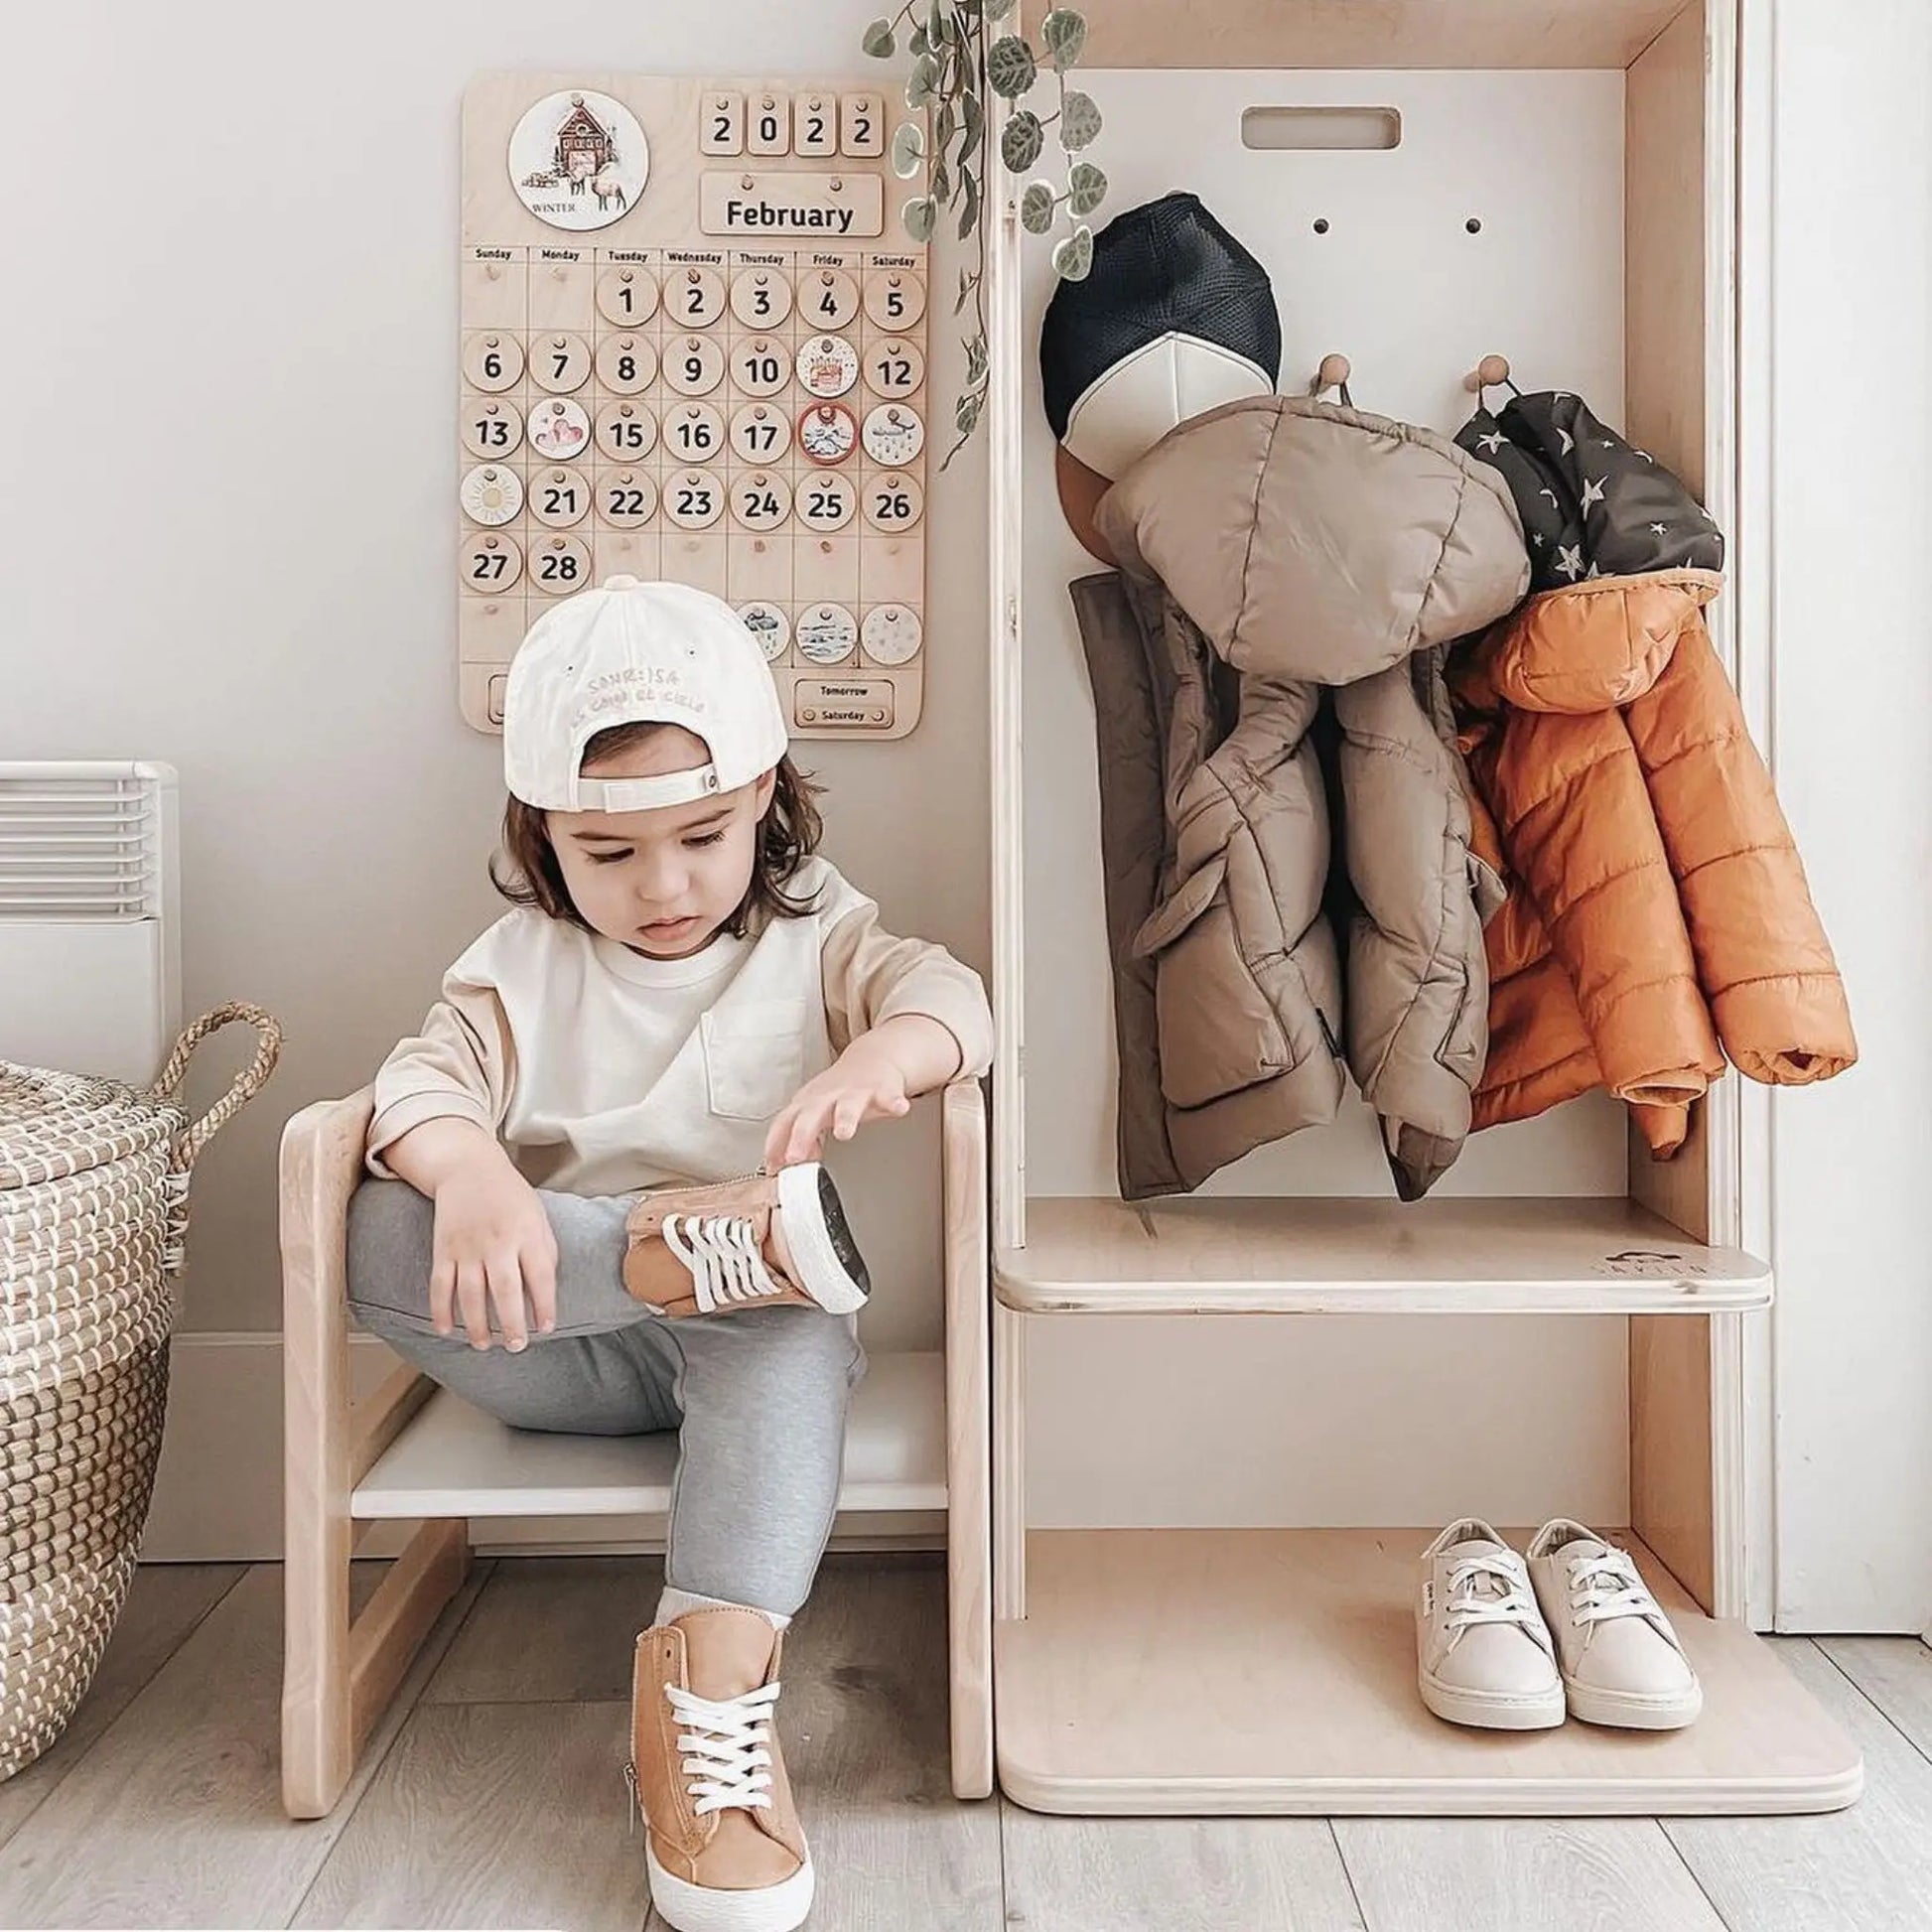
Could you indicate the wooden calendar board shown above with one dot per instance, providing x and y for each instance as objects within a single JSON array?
[{"x": 693, "y": 347}]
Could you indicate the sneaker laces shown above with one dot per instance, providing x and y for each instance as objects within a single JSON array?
[
  {"x": 722, "y": 1748},
  {"x": 1605, "y": 1583},
  {"x": 720, "y": 1252},
  {"x": 1489, "y": 1589}
]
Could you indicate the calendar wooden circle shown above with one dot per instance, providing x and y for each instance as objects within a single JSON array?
[
  {"x": 693, "y": 500},
  {"x": 761, "y": 297},
  {"x": 626, "y": 432},
  {"x": 825, "y": 503},
  {"x": 626, "y": 499},
  {"x": 894, "y": 434},
  {"x": 694, "y": 365},
  {"x": 895, "y": 368},
  {"x": 761, "y": 501},
  {"x": 492, "y": 361},
  {"x": 827, "y": 633},
  {"x": 894, "y": 501},
  {"x": 761, "y": 366},
  {"x": 560, "y": 498},
  {"x": 578, "y": 159},
  {"x": 761, "y": 432},
  {"x": 560, "y": 362},
  {"x": 828, "y": 299},
  {"x": 894, "y": 298},
  {"x": 694, "y": 432},
  {"x": 892, "y": 634},
  {"x": 492, "y": 427},
  {"x": 626, "y": 363},
  {"x": 559, "y": 429},
  {"x": 768, "y": 624},
  {"x": 828, "y": 365},
  {"x": 490, "y": 562},
  {"x": 559, "y": 566},
  {"x": 693, "y": 298},
  {"x": 827, "y": 432},
  {"x": 626, "y": 297},
  {"x": 492, "y": 493}
]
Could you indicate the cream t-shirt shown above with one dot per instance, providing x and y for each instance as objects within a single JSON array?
[{"x": 603, "y": 1071}]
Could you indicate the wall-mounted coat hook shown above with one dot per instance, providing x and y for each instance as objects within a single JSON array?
[
  {"x": 1488, "y": 373},
  {"x": 1333, "y": 373}
]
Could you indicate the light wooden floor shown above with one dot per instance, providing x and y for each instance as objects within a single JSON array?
[{"x": 492, "y": 1795}]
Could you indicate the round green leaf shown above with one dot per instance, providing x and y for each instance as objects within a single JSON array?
[
  {"x": 1010, "y": 67},
  {"x": 918, "y": 43},
  {"x": 1021, "y": 141},
  {"x": 1073, "y": 254},
  {"x": 879, "y": 40},
  {"x": 918, "y": 215},
  {"x": 1086, "y": 188},
  {"x": 1064, "y": 32},
  {"x": 908, "y": 149},
  {"x": 1037, "y": 207},
  {"x": 918, "y": 83},
  {"x": 1079, "y": 122}
]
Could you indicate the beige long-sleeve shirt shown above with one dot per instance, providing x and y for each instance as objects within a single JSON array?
[{"x": 603, "y": 1071}]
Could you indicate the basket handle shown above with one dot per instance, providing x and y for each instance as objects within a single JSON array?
[{"x": 246, "y": 1085}]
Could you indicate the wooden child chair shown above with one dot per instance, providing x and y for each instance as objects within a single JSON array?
[{"x": 411, "y": 1450}]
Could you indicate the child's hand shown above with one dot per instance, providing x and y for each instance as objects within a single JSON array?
[
  {"x": 493, "y": 1245},
  {"x": 866, "y": 1082}
]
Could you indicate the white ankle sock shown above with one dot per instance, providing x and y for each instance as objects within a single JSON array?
[{"x": 675, "y": 1603}]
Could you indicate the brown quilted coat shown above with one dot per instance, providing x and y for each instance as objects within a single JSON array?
[{"x": 1659, "y": 918}]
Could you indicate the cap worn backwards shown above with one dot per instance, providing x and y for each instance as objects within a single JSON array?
[{"x": 631, "y": 652}]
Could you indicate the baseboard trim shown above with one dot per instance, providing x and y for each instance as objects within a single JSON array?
[{"x": 219, "y": 1493}]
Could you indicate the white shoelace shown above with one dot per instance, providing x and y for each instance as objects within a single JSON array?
[
  {"x": 722, "y": 1748},
  {"x": 1607, "y": 1586},
  {"x": 1490, "y": 1589},
  {"x": 720, "y": 1254}
]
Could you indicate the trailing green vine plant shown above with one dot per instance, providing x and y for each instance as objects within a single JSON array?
[{"x": 959, "y": 59}]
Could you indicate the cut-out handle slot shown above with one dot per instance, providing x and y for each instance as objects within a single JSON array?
[{"x": 1321, "y": 127}]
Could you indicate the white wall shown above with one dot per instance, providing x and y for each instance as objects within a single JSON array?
[
  {"x": 227, "y": 521},
  {"x": 1852, "y": 710}
]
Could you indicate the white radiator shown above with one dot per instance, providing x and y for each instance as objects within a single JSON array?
[{"x": 90, "y": 916}]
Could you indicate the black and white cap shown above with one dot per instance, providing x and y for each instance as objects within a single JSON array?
[{"x": 1175, "y": 317}]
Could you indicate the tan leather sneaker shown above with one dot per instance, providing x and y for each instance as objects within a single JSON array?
[
  {"x": 737, "y": 1244},
  {"x": 722, "y": 1839}
]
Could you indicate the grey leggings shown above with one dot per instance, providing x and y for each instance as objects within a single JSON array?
[{"x": 758, "y": 1395}]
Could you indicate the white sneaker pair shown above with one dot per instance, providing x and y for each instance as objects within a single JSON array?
[{"x": 1510, "y": 1646}]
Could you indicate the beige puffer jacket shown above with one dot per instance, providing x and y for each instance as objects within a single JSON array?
[{"x": 1304, "y": 548}]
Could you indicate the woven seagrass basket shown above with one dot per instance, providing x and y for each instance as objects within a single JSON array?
[{"x": 94, "y": 1217}]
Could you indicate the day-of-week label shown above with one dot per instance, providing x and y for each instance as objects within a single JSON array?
[
  {"x": 831, "y": 258},
  {"x": 701, "y": 257},
  {"x": 892, "y": 261},
  {"x": 828, "y": 207},
  {"x": 627, "y": 255},
  {"x": 562, "y": 255},
  {"x": 483, "y": 254},
  {"x": 757, "y": 258}
]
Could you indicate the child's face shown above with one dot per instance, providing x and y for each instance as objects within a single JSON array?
[{"x": 661, "y": 881}]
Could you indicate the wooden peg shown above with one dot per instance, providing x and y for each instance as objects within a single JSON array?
[
  {"x": 1487, "y": 373},
  {"x": 1332, "y": 374}
]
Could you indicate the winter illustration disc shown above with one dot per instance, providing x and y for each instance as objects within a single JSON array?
[{"x": 579, "y": 159}]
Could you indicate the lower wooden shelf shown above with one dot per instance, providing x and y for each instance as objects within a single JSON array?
[{"x": 1184, "y": 1672}]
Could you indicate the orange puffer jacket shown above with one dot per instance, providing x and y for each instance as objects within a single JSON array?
[{"x": 1658, "y": 909}]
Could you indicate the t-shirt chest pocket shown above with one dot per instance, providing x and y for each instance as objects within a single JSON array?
[{"x": 753, "y": 1057}]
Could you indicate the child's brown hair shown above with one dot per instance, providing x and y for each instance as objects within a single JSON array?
[{"x": 787, "y": 835}]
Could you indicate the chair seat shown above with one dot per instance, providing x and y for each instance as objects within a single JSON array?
[{"x": 452, "y": 1459}]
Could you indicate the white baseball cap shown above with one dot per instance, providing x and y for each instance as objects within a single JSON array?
[{"x": 631, "y": 652}]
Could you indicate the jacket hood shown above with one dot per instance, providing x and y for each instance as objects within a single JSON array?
[
  {"x": 1592, "y": 505},
  {"x": 1586, "y": 647},
  {"x": 1310, "y": 541}
]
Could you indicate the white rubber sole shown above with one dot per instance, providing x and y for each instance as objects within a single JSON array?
[
  {"x": 701, "y": 1908},
  {"x": 1492, "y": 1709},
  {"x": 1635, "y": 1709},
  {"x": 810, "y": 1241}
]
